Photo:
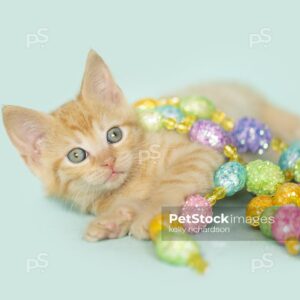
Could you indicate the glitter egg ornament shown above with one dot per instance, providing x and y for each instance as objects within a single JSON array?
[
  {"x": 197, "y": 106},
  {"x": 250, "y": 135},
  {"x": 169, "y": 111},
  {"x": 199, "y": 206},
  {"x": 266, "y": 221},
  {"x": 286, "y": 223},
  {"x": 287, "y": 193},
  {"x": 290, "y": 156},
  {"x": 209, "y": 134},
  {"x": 255, "y": 208},
  {"x": 179, "y": 249},
  {"x": 263, "y": 177},
  {"x": 286, "y": 227},
  {"x": 232, "y": 176},
  {"x": 151, "y": 120},
  {"x": 296, "y": 223}
]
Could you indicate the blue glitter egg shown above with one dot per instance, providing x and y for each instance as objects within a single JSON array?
[
  {"x": 232, "y": 176},
  {"x": 250, "y": 135},
  {"x": 290, "y": 156},
  {"x": 169, "y": 111}
]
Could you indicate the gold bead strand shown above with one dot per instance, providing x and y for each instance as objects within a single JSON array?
[
  {"x": 223, "y": 120},
  {"x": 231, "y": 153},
  {"x": 217, "y": 194},
  {"x": 278, "y": 145}
]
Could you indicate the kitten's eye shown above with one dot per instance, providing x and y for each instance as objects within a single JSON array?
[
  {"x": 77, "y": 155},
  {"x": 114, "y": 135}
]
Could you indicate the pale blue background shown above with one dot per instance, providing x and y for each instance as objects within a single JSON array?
[{"x": 152, "y": 47}]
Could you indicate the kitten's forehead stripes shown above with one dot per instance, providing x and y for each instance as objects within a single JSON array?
[
  {"x": 74, "y": 117},
  {"x": 84, "y": 117}
]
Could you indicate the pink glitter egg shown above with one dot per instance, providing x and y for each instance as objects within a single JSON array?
[
  {"x": 296, "y": 222},
  {"x": 197, "y": 212},
  {"x": 286, "y": 223},
  {"x": 208, "y": 133}
]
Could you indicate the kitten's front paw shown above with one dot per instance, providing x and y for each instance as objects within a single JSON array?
[
  {"x": 109, "y": 227},
  {"x": 139, "y": 229},
  {"x": 98, "y": 230}
]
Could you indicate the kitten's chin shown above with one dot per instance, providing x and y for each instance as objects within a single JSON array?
[{"x": 115, "y": 180}]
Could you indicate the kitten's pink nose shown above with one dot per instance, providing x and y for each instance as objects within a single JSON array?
[{"x": 110, "y": 162}]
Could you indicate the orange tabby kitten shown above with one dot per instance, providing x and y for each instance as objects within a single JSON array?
[{"x": 92, "y": 152}]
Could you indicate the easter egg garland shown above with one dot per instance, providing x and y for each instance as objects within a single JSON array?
[{"x": 198, "y": 117}]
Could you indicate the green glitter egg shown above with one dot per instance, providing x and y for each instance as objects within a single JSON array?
[
  {"x": 175, "y": 248},
  {"x": 197, "y": 106},
  {"x": 266, "y": 221},
  {"x": 151, "y": 120},
  {"x": 263, "y": 177},
  {"x": 297, "y": 171}
]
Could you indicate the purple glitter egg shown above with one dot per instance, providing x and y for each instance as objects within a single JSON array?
[
  {"x": 210, "y": 134},
  {"x": 286, "y": 223},
  {"x": 250, "y": 135},
  {"x": 197, "y": 207}
]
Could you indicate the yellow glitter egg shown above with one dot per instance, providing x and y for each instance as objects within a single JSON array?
[
  {"x": 146, "y": 104},
  {"x": 255, "y": 208},
  {"x": 287, "y": 193},
  {"x": 162, "y": 222}
]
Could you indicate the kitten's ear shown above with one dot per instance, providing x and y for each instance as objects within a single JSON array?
[
  {"x": 27, "y": 130},
  {"x": 98, "y": 83}
]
